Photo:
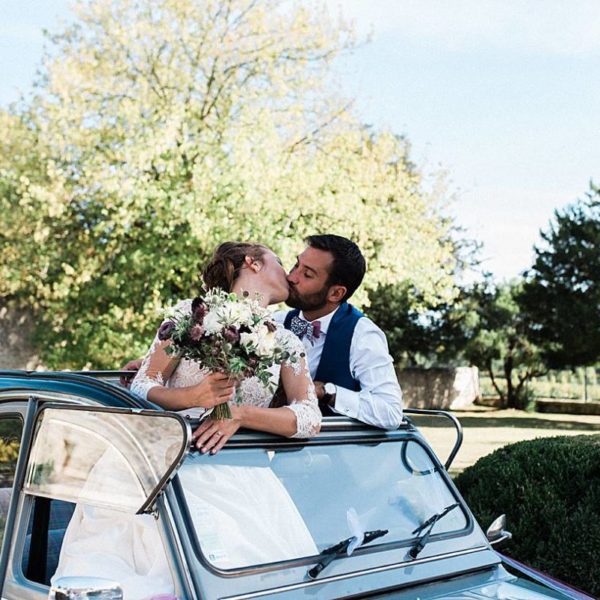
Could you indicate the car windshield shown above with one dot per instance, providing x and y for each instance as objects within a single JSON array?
[{"x": 255, "y": 506}]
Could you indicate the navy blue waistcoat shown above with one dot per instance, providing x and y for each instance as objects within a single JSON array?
[{"x": 334, "y": 366}]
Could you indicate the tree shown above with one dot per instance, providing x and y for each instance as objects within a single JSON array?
[
  {"x": 420, "y": 333},
  {"x": 499, "y": 336},
  {"x": 426, "y": 331},
  {"x": 161, "y": 128},
  {"x": 561, "y": 293}
]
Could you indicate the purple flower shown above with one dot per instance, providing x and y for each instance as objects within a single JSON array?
[
  {"x": 231, "y": 334},
  {"x": 196, "y": 332},
  {"x": 199, "y": 310},
  {"x": 166, "y": 330}
]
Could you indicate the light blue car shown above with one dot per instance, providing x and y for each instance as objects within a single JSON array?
[{"x": 355, "y": 512}]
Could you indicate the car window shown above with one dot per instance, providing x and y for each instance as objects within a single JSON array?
[
  {"x": 104, "y": 457},
  {"x": 256, "y": 506},
  {"x": 11, "y": 428}
]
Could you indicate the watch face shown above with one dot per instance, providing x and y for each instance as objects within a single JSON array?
[{"x": 330, "y": 389}]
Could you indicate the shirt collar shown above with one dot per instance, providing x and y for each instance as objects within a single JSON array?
[{"x": 325, "y": 321}]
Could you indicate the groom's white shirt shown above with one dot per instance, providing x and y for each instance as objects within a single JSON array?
[{"x": 379, "y": 400}]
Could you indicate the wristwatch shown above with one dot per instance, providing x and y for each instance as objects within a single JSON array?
[{"x": 330, "y": 390}]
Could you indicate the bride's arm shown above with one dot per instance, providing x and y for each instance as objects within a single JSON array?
[
  {"x": 301, "y": 418},
  {"x": 158, "y": 366},
  {"x": 302, "y": 398},
  {"x": 211, "y": 435}
]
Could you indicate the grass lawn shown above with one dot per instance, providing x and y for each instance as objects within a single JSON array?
[{"x": 486, "y": 429}]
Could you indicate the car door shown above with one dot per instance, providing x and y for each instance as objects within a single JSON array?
[
  {"x": 49, "y": 457},
  {"x": 11, "y": 429}
]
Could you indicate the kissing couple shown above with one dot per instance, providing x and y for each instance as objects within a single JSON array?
[{"x": 345, "y": 367}]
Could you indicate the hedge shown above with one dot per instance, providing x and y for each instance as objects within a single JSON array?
[{"x": 549, "y": 490}]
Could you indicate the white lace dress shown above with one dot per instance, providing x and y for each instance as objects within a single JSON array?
[{"x": 251, "y": 391}]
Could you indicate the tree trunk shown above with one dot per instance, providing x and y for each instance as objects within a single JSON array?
[
  {"x": 490, "y": 371},
  {"x": 509, "y": 364}
]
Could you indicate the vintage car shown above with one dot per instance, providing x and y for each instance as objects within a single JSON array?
[{"x": 354, "y": 512}]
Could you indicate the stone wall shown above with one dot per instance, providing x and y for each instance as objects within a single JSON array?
[
  {"x": 439, "y": 388},
  {"x": 16, "y": 350}
]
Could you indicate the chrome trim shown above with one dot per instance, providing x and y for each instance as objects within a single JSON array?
[
  {"x": 349, "y": 424},
  {"x": 97, "y": 374},
  {"x": 453, "y": 419},
  {"x": 179, "y": 566},
  {"x": 45, "y": 395},
  {"x": 541, "y": 578},
  {"x": 340, "y": 424},
  {"x": 320, "y": 581},
  {"x": 82, "y": 378}
]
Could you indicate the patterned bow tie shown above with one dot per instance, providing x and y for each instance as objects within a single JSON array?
[{"x": 302, "y": 328}]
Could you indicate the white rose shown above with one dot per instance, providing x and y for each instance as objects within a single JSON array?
[
  {"x": 239, "y": 313},
  {"x": 262, "y": 341},
  {"x": 266, "y": 341},
  {"x": 211, "y": 323},
  {"x": 249, "y": 340}
]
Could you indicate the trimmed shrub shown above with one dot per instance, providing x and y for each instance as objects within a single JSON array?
[{"x": 549, "y": 490}]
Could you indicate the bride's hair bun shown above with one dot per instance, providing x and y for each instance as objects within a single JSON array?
[{"x": 226, "y": 263}]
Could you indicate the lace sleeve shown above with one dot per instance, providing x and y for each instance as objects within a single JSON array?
[
  {"x": 300, "y": 389},
  {"x": 157, "y": 365}
]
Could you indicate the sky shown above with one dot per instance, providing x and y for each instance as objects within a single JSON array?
[{"x": 502, "y": 95}]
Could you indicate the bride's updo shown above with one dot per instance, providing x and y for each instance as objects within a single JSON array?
[{"x": 227, "y": 261}]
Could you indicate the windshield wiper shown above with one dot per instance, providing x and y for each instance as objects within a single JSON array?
[
  {"x": 341, "y": 548},
  {"x": 428, "y": 525}
]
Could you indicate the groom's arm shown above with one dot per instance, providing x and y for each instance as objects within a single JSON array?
[
  {"x": 133, "y": 366},
  {"x": 379, "y": 400}
]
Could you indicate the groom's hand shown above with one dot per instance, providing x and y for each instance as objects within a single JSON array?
[
  {"x": 319, "y": 389},
  {"x": 215, "y": 388},
  {"x": 132, "y": 365}
]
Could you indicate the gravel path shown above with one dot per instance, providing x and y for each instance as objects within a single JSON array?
[{"x": 485, "y": 430}]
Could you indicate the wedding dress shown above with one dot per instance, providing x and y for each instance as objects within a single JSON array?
[{"x": 242, "y": 513}]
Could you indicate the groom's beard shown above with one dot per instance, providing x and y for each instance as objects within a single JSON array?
[{"x": 308, "y": 302}]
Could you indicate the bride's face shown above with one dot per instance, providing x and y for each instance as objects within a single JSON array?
[{"x": 274, "y": 276}]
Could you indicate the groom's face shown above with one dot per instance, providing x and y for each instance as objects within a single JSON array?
[{"x": 309, "y": 279}]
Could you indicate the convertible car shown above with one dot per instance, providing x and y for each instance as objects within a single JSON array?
[{"x": 355, "y": 512}]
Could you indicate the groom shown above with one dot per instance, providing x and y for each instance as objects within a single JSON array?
[{"x": 347, "y": 353}]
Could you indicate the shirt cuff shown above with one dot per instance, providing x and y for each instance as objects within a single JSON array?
[{"x": 346, "y": 402}]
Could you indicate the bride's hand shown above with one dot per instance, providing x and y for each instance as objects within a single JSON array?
[
  {"x": 211, "y": 435},
  {"x": 214, "y": 389}
]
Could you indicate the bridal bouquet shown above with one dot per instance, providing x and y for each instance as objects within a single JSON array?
[{"x": 229, "y": 334}]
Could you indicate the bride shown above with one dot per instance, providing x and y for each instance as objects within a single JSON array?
[
  {"x": 183, "y": 384},
  {"x": 245, "y": 507}
]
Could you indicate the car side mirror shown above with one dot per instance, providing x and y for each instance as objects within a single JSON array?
[
  {"x": 496, "y": 533},
  {"x": 79, "y": 588}
]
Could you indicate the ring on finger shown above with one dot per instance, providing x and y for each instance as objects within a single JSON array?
[{"x": 218, "y": 433}]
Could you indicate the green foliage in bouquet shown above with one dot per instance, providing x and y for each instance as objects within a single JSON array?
[{"x": 226, "y": 333}]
